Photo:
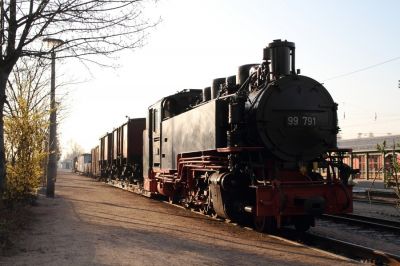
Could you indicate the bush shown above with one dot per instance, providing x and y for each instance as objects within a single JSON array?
[{"x": 25, "y": 151}]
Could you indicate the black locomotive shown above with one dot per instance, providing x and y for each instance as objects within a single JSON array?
[{"x": 260, "y": 145}]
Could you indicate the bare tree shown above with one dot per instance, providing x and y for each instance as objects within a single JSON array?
[
  {"x": 74, "y": 150},
  {"x": 88, "y": 27},
  {"x": 28, "y": 80}
]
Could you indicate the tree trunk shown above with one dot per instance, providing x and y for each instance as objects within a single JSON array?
[{"x": 3, "y": 83}]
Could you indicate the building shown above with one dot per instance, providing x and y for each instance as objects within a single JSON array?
[
  {"x": 374, "y": 163},
  {"x": 66, "y": 164}
]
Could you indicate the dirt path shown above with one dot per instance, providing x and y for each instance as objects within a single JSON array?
[{"x": 90, "y": 223}]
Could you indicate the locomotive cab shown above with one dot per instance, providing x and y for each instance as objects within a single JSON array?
[{"x": 163, "y": 121}]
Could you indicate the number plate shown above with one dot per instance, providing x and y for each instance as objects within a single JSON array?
[{"x": 301, "y": 121}]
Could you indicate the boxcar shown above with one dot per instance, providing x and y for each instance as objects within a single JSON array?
[
  {"x": 105, "y": 155},
  {"x": 95, "y": 166},
  {"x": 83, "y": 163}
]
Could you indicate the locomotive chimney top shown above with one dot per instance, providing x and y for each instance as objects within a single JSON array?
[{"x": 281, "y": 56}]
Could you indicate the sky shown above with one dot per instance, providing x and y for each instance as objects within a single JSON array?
[{"x": 349, "y": 46}]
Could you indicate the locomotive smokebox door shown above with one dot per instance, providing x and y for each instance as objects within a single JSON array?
[{"x": 296, "y": 118}]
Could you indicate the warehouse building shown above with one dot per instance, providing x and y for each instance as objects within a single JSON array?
[{"x": 373, "y": 163}]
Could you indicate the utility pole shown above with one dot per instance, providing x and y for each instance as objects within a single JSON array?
[
  {"x": 52, "y": 157},
  {"x": 52, "y": 160}
]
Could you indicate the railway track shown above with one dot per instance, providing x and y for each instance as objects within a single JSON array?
[
  {"x": 378, "y": 202},
  {"x": 346, "y": 249},
  {"x": 381, "y": 224},
  {"x": 377, "y": 197},
  {"x": 339, "y": 247}
]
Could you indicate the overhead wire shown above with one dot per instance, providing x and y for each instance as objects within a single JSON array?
[{"x": 362, "y": 69}]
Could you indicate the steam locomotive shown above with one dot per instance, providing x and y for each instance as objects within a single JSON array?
[{"x": 258, "y": 146}]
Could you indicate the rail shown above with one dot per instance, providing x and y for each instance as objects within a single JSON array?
[
  {"x": 346, "y": 249},
  {"x": 351, "y": 250},
  {"x": 389, "y": 225}
]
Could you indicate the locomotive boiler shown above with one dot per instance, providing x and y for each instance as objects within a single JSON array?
[{"x": 260, "y": 146}]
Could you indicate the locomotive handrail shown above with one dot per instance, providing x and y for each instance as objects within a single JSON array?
[
  {"x": 203, "y": 157},
  {"x": 320, "y": 182},
  {"x": 239, "y": 149},
  {"x": 199, "y": 162},
  {"x": 203, "y": 166},
  {"x": 203, "y": 169}
]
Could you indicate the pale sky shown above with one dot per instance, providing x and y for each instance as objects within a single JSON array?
[{"x": 198, "y": 41}]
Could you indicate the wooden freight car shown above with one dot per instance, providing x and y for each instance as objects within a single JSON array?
[{"x": 120, "y": 152}]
